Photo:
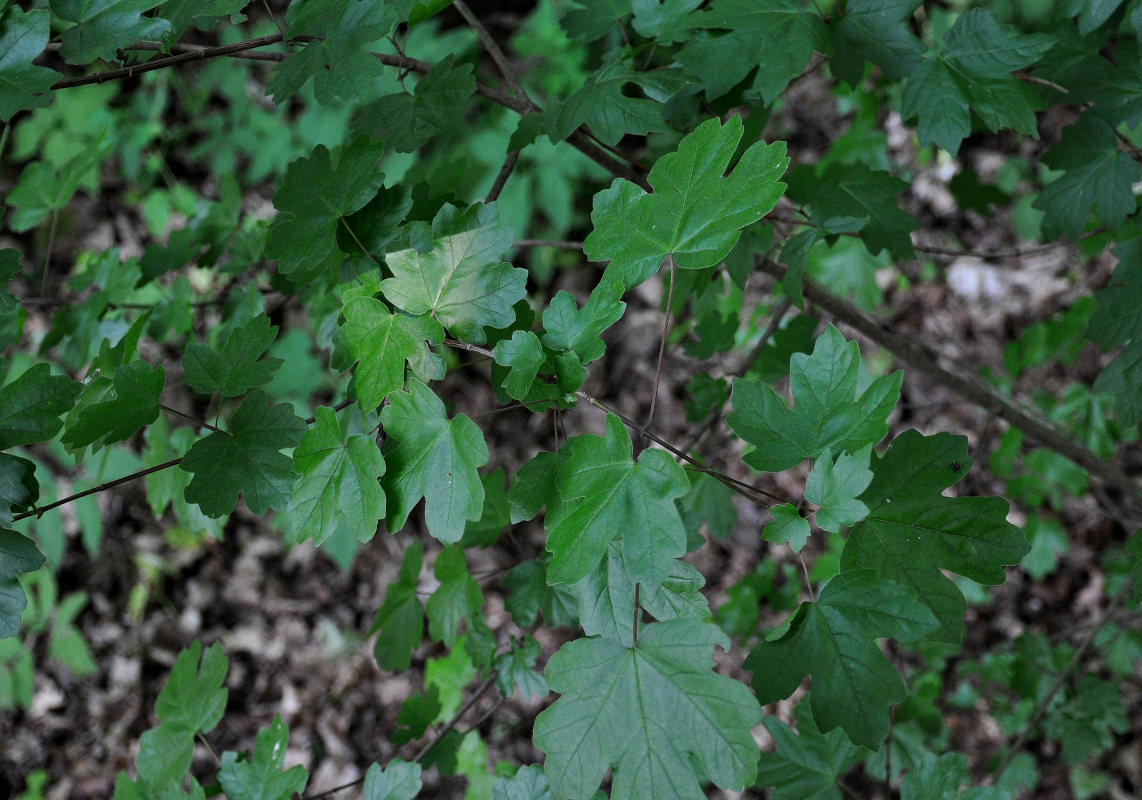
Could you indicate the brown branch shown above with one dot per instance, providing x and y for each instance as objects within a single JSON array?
[
  {"x": 167, "y": 61},
  {"x": 39, "y": 511},
  {"x": 493, "y": 49},
  {"x": 157, "y": 47},
  {"x": 502, "y": 177},
  {"x": 914, "y": 356}
]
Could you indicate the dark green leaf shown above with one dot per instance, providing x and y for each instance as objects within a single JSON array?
[
  {"x": 870, "y": 30},
  {"x": 247, "y": 459},
  {"x": 397, "y": 781},
  {"x": 1117, "y": 322},
  {"x": 592, "y": 19},
  {"x": 23, "y": 85},
  {"x": 400, "y": 619},
  {"x": 405, "y": 122},
  {"x": 529, "y": 595},
  {"x": 515, "y": 669},
  {"x": 262, "y": 777},
  {"x": 602, "y": 104},
  {"x": 17, "y": 554},
  {"x": 806, "y": 764},
  {"x": 912, "y": 531},
  {"x": 834, "y": 641},
  {"x": 19, "y": 488},
  {"x": 787, "y": 527},
  {"x": 455, "y": 600},
  {"x": 103, "y": 26},
  {"x": 135, "y": 405},
  {"x": 529, "y": 783},
  {"x": 31, "y": 405},
  {"x": 238, "y": 366}
]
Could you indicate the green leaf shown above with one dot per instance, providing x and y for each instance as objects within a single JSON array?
[
  {"x": 135, "y": 405},
  {"x": 315, "y": 199},
  {"x": 568, "y": 329},
  {"x": 870, "y": 30},
  {"x": 19, "y": 488},
  {"x": 529, "y": 783},
  {"x": 606, "y": 597},
  {"x": 431, "y": 456},
  {"x": 606, "y": 494},
  {"x": 592, "y": 19},
  {"x": 695, "y": 214},
  {"x": 912, "y": 531},
  {"x": 668, "y": 21},
  {"x": 103, "y": 26},
  {"x": 1096, "y": 175},
  {"x": 238, "y": 366},
  {"x": 1117, "y": 322},
  {"x": 380, "y": 343},
  {"x": 461, "y": 281},
  {"x": 778, "y": 38},
  {"x": 44, "y": 189},
  {"x": 17, "y": 554},
  {"x": 709, "y": 501},
  {"x": 417, "y": 712},
  {"x": 835, "y": 486},
  {"x": 23, "y": 85},
  {"x": 529, "y": 595},
  {"x": 829, "y": 412},
  {"x": 262, "y": 777},
  {"x": 834, "y": 641},
  {"x": 656, "y": 714},
  {"x": 339, "y": 483},
  {"x": 31, "y": 405},
  {"x": 602, "y": 104},
  {"x": 515, "y": 669},
  {"x": 337, "y": 59},
  {"x": 974, "y": 70},
  {"x": 496, "y": 516},
  {"x": 455, "y": 600},
  {"x": 806, "y": 764},
  {"x": 399, "y": 780},
  {"x": 400, "y": 619},
  {"x": 405, "y": 122},
  {"x": 1086, "y": 724},
  {"x": 942, "y": 778},
  {"x": 247, "y": 459},
  {"x": 855, "y": 192},
  {"x": 523, "y": 353},
  {"x": 787, "y": 527}
]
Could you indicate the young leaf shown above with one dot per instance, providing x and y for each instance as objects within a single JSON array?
[
  {"x": 23, "y": 85},
  {"x": 529, "y": 783},
  {"x": 524, "y": 355},
  {"x": 135, "y": 405},
  {"x": 834, "y": 487},
  {"x": 607, "y": 494},
  {"x": 912, "y": 531},
  {"x": 516, "y": 669},
  {"x": 435, "y": 458},
  {"x": 238, "y": 366},
  {"x": 103, "y": 26},
  {"x": 456, "y": 599},
  {"x": 247, "y": 459},
  {"x": 656, "y": 714},
  {"x": 339, "y": 483},
  {"x": 405, "y": 122},
  {"x": 695, "y": 214},
  {"x": 834, "y": 641},
  {"x": 262, "y": 776},
  {"x": 314, "y": 201},
  {"x": 828, "y": 412},
  {"x": 777, "y": 38},
  {"x": 529, "y": 595},
  {"x": 572, "y": 330},
  {"x": 17, "y": 554},
  {"x": 787, "y": 527},
  {"x": 397, "y": 781},
  {"x": 461, "y": 282},
  {"x": 602, "y": 104}
]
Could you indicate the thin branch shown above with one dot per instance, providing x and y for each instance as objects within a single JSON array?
[
  {"x": 200, "y": 423},
  {"x": 167, "y": 61},
  {"x": 157, "y": 47},
  {"x": 564, "y": 245},
  {"x": 39, "y": 511},
  {"x": 492, "y": 47},
  {"x": 488, "y": 683},
  {"x": 48, "y": 252},
  {"x": 914, "y": 356},
  {"x": 502, "y": 177}
]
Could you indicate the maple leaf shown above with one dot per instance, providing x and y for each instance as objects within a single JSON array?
[
  {"x": 912, "y": 531},
  {"x": 606, "y": 494},
  {"x": 834, "y": 641},
  {"x": 777, "y": 38},
  {"x": 405, "y": 122},
  {"x": 870, "y": 30},
  {"x": 657, "y": 714},
  {"x": 602, "y": 104},
  {"x": 315, "y": 199},
  {"x": 238, "y": 366},
  {"x": 338, "y": 485},
  {"x": 23, "y": 85},
  {"x": 262, "y": 775},
  {"x": 135, "y": 405},
  {"x": 17, "y": 554},
  {"x": 694, "y": 214},
  {"x": 397, "y": 781},
  {"x": 455, "y": 600},
  {"x": 18, "y": 485},
  {"x": 380, "y": 343},
  {"x": 400, "y": 619},
  {"x": 102, "y": 27},
  {"x": 1117, "y": 322},
  {"x": 1096, "y": 174},
  {"x": 31, "y": 405},
  {"x": 248, "y": 459},
  {"x": 828, "y": 412},
  {"x": 460, "y": 281},
  {"x": 807, "y": 764},
  {"x": 431, "y": 456}
]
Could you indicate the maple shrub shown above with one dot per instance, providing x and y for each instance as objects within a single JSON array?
[{"x": 611, "y": 296}]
